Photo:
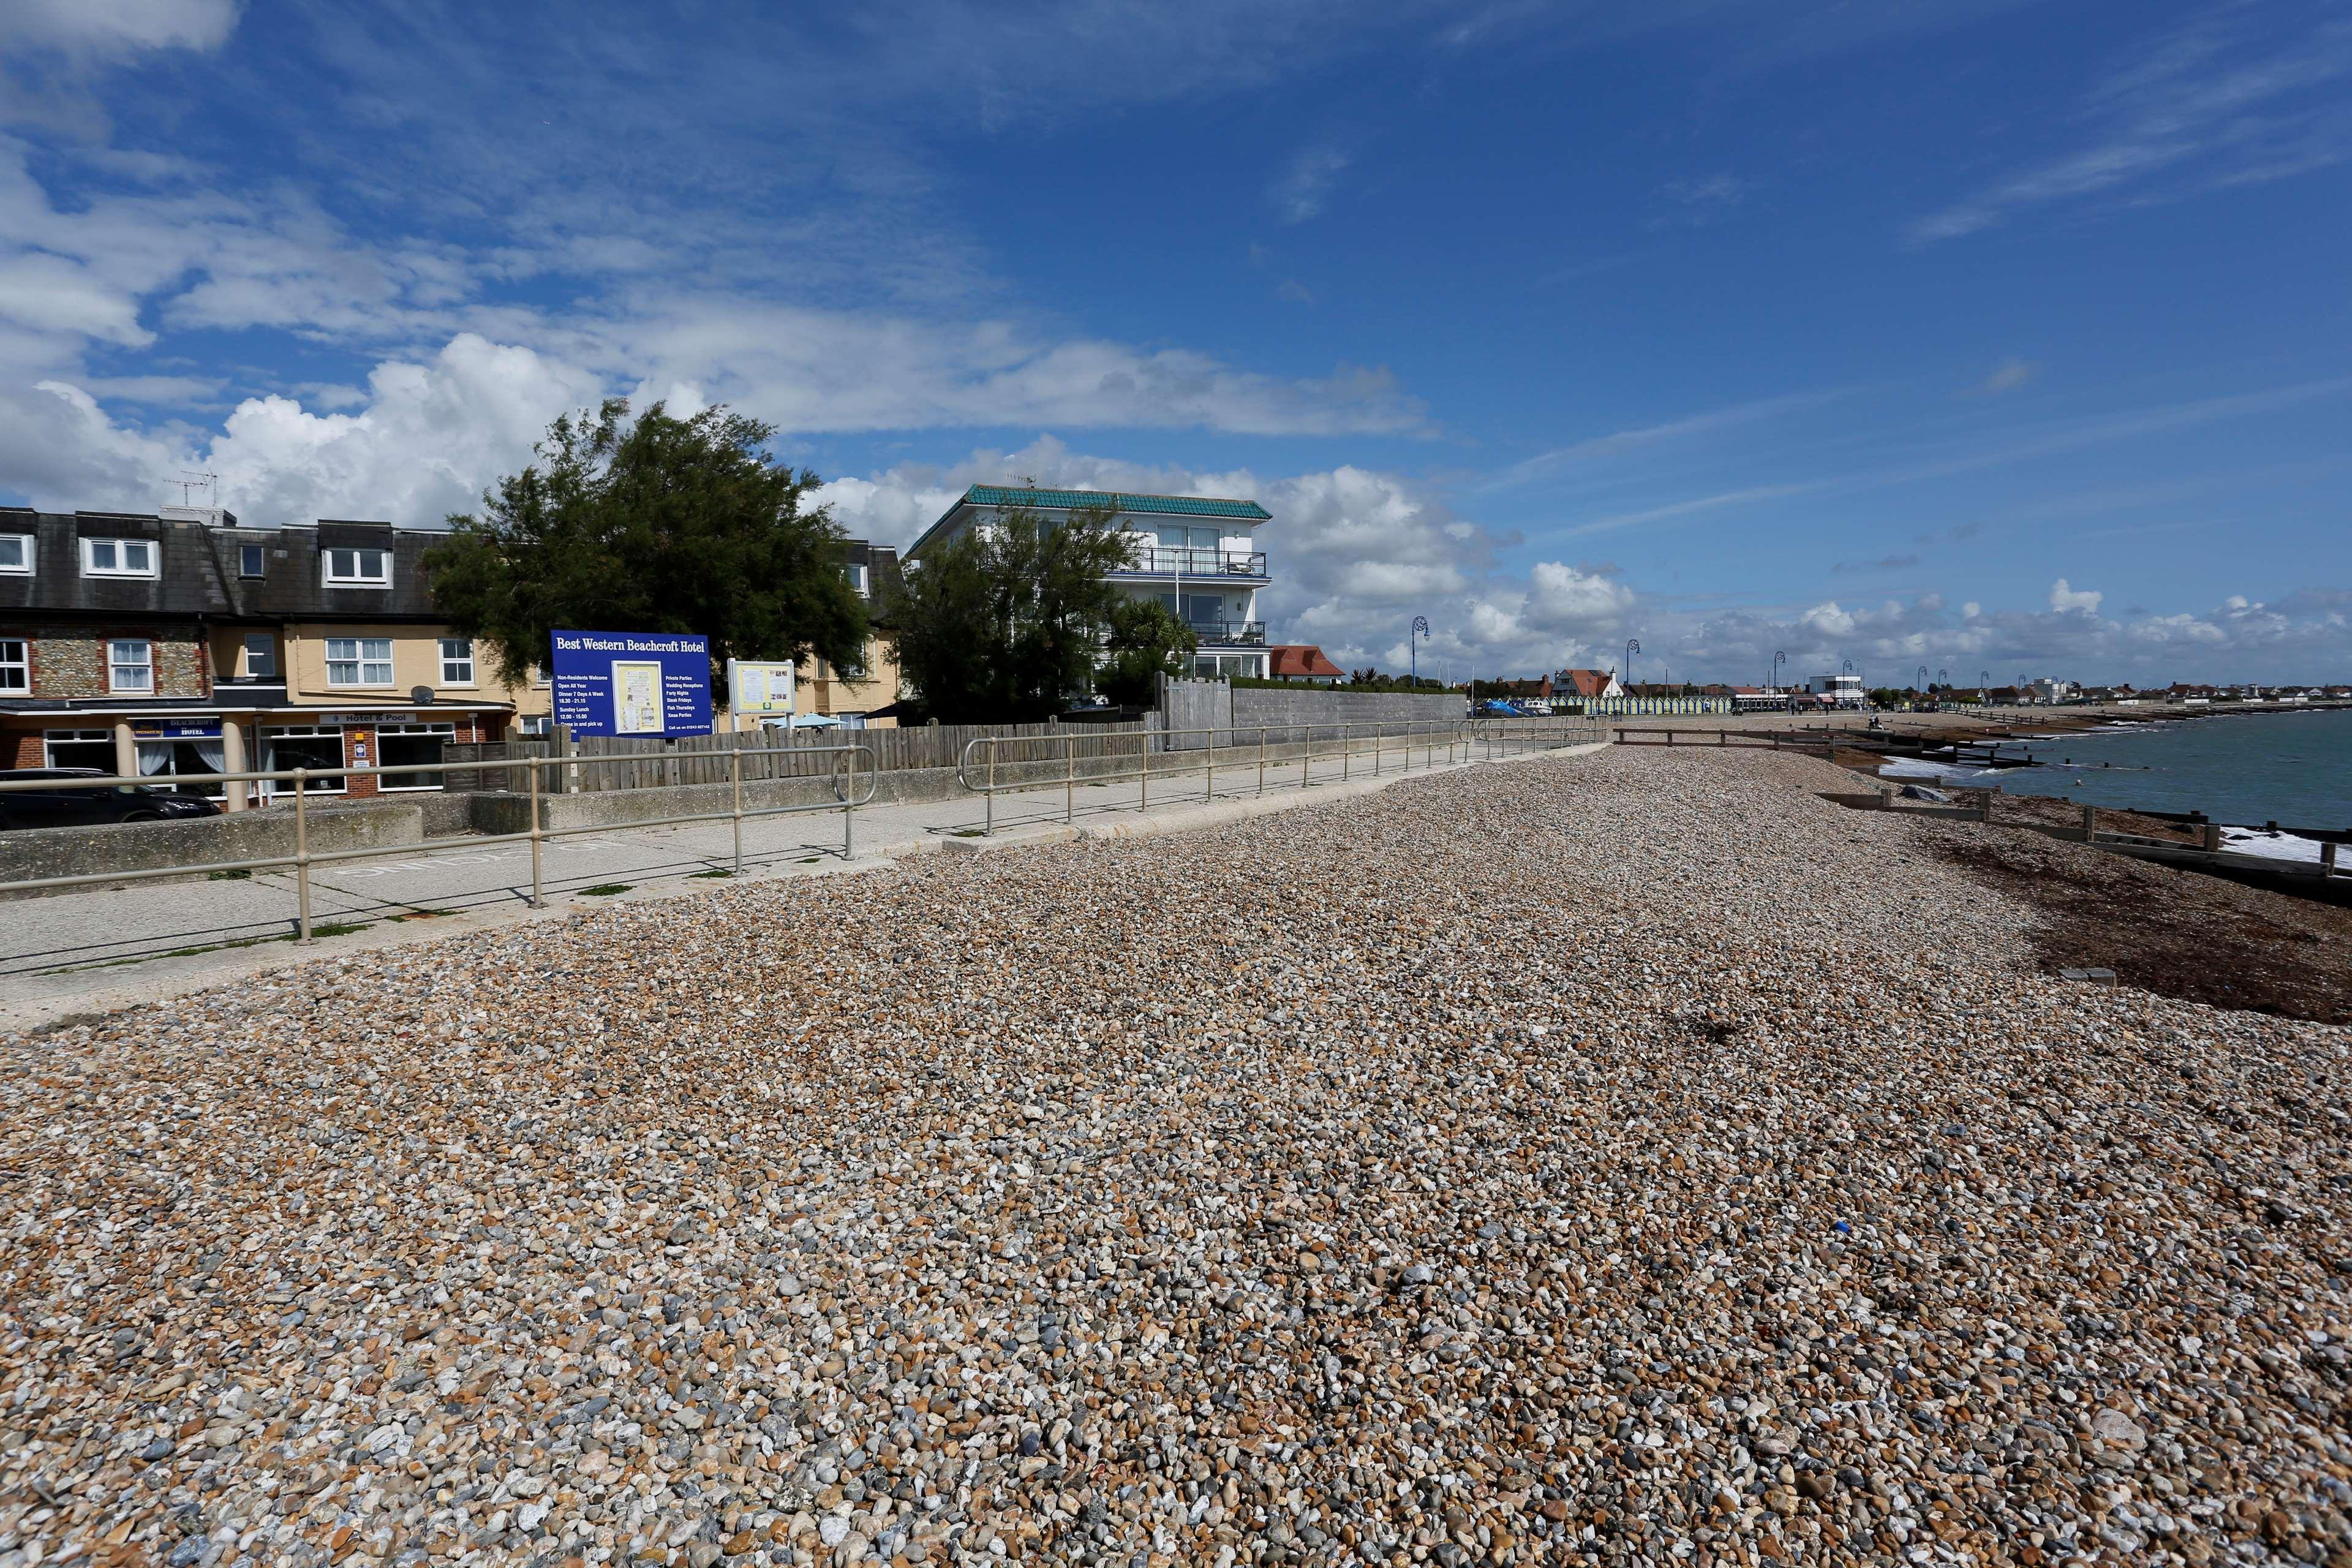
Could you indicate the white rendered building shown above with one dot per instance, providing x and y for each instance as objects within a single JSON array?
[{"x": 1196, "y": 555}]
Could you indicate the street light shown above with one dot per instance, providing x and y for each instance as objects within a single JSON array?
[
  {"x": 1633, "y": 647},
  {"x": 1420, "y": 630}
]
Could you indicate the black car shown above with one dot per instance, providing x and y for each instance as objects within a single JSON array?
[{"x": 72, "y": 803}]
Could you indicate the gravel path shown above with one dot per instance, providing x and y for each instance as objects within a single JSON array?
[{"x": 1631, "y": 1158}]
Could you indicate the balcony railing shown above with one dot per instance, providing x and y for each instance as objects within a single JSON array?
[
  {"x": 1252, "y": 633},
  {"x": 1195, "y": 562}
]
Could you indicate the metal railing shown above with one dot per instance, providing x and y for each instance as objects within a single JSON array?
[
  {"x": 1165, "y": 562},
  {"x": 1247, "y": 632},
  {"x": 845, "y": 777},
  {"x": 1247, "y": 748}
]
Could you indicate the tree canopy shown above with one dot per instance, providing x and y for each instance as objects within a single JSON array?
[
  {"x": 651, "y": 524},
  {"x": 1144, "y": 641},
  {"x": 1003, "y": 623}
]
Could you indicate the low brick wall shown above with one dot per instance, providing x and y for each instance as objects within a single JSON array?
[{"x": 26, "y": 854}]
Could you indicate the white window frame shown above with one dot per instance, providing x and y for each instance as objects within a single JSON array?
[
  {"x": 271, "y": 735},
  {"x": 120, "y": 547},
  {"x": 359, "y": 660},
  {"x": 115, "y": 664},
  {"x": 355, "y": 578},
  {"x": 27, "y": 546},
  {"x": 15, "y": 665},
  {"x": 49, "y": 737},
  {"x": 855, "y": 572},
  {"x": 450, "y": 661},
  {"x": 268, "y": 644},
  {"x": 261, "y": 552}
]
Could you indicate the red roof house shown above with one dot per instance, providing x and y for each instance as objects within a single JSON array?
[{"x": 1300, "y": 661}]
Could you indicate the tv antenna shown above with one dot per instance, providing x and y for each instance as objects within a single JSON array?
[{"x": 191, "y": 480}]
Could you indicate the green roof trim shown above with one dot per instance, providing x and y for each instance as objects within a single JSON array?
[{"x": 1118, "y": 500}]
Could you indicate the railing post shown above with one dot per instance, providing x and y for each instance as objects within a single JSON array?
[
  {"x": 538, "y": 885},
  {"x": 1069, "y": 778},
  {"x": 1305, "y": 752},
  {"x": 849, "y": 809},
  {"x": 1261, "y": 759},
  {"x": 735, "y": 780},
  {"x": 1347, "y": 749},
  {"x": 990, "y": 741},
  {"x": 1212, "y": 764},
  {"x": 302, "y": 854},
  {"x": 1143, "y": 774}
]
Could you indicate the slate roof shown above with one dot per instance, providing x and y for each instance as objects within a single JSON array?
[{"x": 198, "y": 570}]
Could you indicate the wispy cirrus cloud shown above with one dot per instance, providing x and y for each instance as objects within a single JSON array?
[
  {"x": 1303, "y": 189},
  {"x": 1618, "y": 443},
  {"x": 87, "y": 28},
  {"x": 2062, "y": 437},
  {"x": 2220, "y": 103}
]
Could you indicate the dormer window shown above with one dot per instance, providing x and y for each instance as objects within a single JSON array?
[
  {"x": 359, "y": 568},
  {"x": 118, "y": 558},
  {"x": 15, "y": 554},
  {"x": 855, "y": 572},
  {"x": 250, "y": 560}
]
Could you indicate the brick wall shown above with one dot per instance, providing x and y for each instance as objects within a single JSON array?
[{"x": 70, "y": 662}]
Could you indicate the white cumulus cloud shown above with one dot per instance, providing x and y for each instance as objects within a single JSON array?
[{"x": 2064, "y": 599}]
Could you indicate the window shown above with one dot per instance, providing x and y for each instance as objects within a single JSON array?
[
  {"x": 359, "y": 661},
  {"x": 359, "y": 568},
  {"x": 249, "y": 560},
  {"x": 80, "y": 749},
  {"x": 412, "y": 745},
  {"x": 303, "y": 747},
  {"x": 535, "y": 723},
  {"x": 118, "y": 558},
  {"x": 15, "y": 665},
  {"x": 260, "y": 655},
  {"x": 457, "y": 661},
  {"x": 855, "y": 572},
  {"x": 17, "y": 554},
  {"x": 130, "y": 665}
]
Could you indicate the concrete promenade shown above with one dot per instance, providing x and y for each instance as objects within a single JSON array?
[{"x": 139, "y": 941}]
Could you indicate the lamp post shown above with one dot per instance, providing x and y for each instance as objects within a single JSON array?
[
  {"x": 1633, "y": 647},
  {"x": 1772, "y": 678},
  {"x": 1984, "y": 692},
  {"x": 1413, "y": 637}
]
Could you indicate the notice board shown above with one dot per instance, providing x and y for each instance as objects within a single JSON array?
[{"x": 632, "y": 683}]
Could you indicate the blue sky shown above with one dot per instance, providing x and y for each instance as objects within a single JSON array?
[{"x": 2002, "y": 335}]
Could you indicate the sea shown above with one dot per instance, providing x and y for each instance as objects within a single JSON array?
[{"x": 2294, "y": 769}]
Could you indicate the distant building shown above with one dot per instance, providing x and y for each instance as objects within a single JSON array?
[
  {"x": 1590, "y": 684},
  {"x": 1301, "y": 661},
  {"x": 822, "y": 691},
  {"x": 1843, "y": 691},
  {"x": 1196, "y": 554}
]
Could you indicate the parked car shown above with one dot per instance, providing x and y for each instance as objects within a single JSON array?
[
  {"x": 77, "y": 805},
  {"x": 1496, "y": 708}
]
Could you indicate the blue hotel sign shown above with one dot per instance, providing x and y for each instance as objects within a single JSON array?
[{"x": 632, "y": 683}]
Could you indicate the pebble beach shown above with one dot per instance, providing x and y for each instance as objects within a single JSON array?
[{"x": 1630, "y": 1159}]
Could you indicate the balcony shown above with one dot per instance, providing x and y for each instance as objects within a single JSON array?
[
  {"x": 1199, "y": 563},
  {"x": 1228, "y": 633}
]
